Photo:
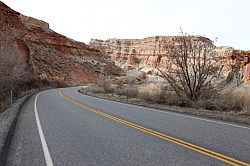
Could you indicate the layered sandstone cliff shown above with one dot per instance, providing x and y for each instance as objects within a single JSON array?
[
  {"x": 47, "y": 54},
  {"x": 236, "y": 59},
  {"x": 150, "y": 53},
  {"x": 30, "y": 22}
]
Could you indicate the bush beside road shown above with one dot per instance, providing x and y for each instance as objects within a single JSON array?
[{"x": 236, "y": 103}]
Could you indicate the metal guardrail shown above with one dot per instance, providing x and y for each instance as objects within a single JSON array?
[
  {"x": 9, "y": 96},
  {"x": 6, "y": 99}
]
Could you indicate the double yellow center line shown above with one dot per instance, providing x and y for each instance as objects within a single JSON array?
[{"x": 196, "y": 148}]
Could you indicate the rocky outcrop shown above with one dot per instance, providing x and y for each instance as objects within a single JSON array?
[
  {"x": 131, "y": 53},
  {"x": 150, "y": 53},
  {"x": 30, "y": 22},
  {"x": 46, "y": 54},
  {"x": 236, "y": 59}
]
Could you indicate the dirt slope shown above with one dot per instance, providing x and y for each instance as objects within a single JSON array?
[{"x": 38, "y": 52}]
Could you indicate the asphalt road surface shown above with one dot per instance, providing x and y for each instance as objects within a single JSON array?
[{"x": 63, "y": 127}]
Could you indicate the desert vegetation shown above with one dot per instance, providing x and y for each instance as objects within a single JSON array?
[
  {"x": 232, "y": 98},
  {"x": 10, "y": 93},
  {"x": 193, "y": 80},
  {"x": 15, "y": 78},
  {"x": 195, "y": 72}
]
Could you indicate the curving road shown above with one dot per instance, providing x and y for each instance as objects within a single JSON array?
[{"x": 63, "y": 127}]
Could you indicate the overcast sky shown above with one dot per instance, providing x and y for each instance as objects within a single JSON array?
[{"x": 228, "y": 20}]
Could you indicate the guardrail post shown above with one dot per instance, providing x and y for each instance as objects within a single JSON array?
[
  {"x": 127, "y": 94},
  {"x": 11, "y": 96}
]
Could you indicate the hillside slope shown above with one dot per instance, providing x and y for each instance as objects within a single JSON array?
[{"x": 30, "y": 50}]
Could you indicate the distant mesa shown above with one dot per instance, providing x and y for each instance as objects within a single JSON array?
[{"x": 149, "y": 53}]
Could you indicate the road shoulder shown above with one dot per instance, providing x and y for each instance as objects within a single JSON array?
[
  {"x": 8, "y": 120},
  {"x": 240, "y": 118}
]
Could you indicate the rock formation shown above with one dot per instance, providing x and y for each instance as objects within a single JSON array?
[
  {"x": 150, "y": 53},
  {"x": 46, "y": 54},
  {"x": 236, "y": 59}
]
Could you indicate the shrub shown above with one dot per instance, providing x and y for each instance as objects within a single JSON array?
[
  {"x": 106, "y": 85},
  {"x": 152, "y": 93},
  {"x": 127, "y": 91},
  {"x": 120, "y": 91},
  {"x": 230, "y": 99},
  {"x": 131, "y": 91},
  {"x": 171, "y": 98},
  {"x": 239, "y": 98},
  {"x": 97, "y": 89},
  {"x": 109, "y": 89}
]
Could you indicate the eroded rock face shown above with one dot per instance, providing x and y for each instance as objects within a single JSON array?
[
  {"x": 236, "y": 59},
  {"x": 30, "y": 22},
  {"x": 50, "y": 55},
  {"x": 150, "y": 53}
]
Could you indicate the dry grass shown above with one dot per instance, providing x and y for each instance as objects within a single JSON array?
[
  {"x": 151, "y": 93},
  {"x": 92, "y": 88},
  {"x": 96, "y": 89},
  {"x": 129, "y": 91},
  {"x": 232, "y": 98},
  {"x": 238, "y": 97},
  {"x": 160, "y": 94}
]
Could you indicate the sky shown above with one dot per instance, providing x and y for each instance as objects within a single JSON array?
[{"x": 81, "y": 20}]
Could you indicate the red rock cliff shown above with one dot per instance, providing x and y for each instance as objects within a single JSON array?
[
  {"x": 150, "y": 53},
  {"x": 49, "y": 54}
]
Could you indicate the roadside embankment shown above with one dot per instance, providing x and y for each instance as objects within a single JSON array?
[
  {"x": 8, "y": 120},
  {"x": 237, "y": 117}
]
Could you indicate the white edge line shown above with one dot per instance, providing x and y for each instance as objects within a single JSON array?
[
  {"x": 177, "y": 114},
  {"x": 42, "y": 138}
]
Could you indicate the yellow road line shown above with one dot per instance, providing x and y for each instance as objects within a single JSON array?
[{"x": 196, "y": 148}]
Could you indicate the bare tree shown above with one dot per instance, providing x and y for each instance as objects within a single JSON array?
[
  {"x": 12, "y": 65},
  {"x": 195, "y": 71}
]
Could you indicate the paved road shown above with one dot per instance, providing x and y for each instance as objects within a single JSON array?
[{"x": 63, "y": 127}]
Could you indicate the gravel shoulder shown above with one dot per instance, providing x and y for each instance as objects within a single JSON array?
[
  {"x": 236, "y": 117},
  {"x": 8, "y": 120}
]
